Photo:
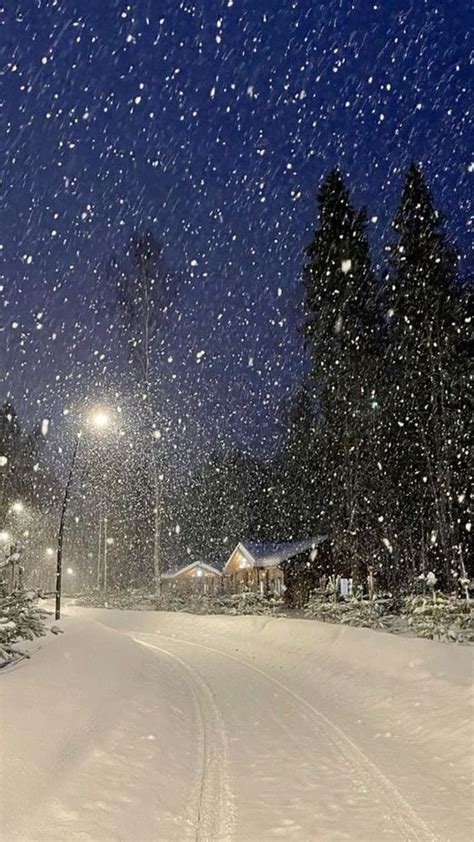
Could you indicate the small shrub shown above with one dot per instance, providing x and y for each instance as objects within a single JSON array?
[{"x": 20, "y": 619}]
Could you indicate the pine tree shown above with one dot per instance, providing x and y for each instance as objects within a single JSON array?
[
  {"x": 22, "y": 476},
  {"x": 10, "y": 438},
  {"x": 426, "y": 412},
  {"x": 342, "y": 329},
  {"x": 20, "y": 619}
]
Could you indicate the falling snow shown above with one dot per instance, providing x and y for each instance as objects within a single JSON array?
[{"x": 235, "y": 294}]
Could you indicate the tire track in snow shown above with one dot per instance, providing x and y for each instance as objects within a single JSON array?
[
  {"x": 411, "y": 826},
  {"x": 214, "y": 808}
]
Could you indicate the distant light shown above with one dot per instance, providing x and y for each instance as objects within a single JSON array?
[
  {"x": 100, "y": 419},
  {"x": 3, "y": 461},
  {"x": 110, "y": 541},
  {"x": 70, "y": 571},
  {"x": 49, "y": 551},
  {"x": 18, "y": 507},
  {"x": 4, "y": 536}
]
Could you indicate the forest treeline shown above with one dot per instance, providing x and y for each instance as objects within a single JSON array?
[{"x": 376, "y": 448}]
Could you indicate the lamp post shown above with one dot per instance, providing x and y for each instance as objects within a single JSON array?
[
  {"x": 106, "y": 541},
  {"x": 99, "y": 551},
  {"x": 59, "y": 558},
  {"x": 99, "y": 419}
]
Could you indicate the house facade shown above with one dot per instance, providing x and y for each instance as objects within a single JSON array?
[
  {"x": 196, "y": 576},
  {"x": 288, "y": 569},
  {"x": 291, "y": 570}
]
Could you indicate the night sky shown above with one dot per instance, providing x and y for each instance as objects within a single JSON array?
[{"x": 212, "y": 123}]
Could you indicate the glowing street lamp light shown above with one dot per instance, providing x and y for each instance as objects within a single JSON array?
[
  {"x": 17, "y": 507},
  {"x": 100, "y": 419}
]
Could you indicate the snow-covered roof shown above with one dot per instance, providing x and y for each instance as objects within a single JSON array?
[
  {"x": 273, "y": 554},
  {"x": 198, "y": 565}
]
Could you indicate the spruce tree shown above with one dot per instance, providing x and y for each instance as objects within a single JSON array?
[
  {"x": 426, "y": 412},
  {"x": 342, "y": 331},
  {"x": 22, "y": 475}
]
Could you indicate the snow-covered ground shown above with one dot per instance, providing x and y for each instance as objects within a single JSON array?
[{"x": 143, "y": 726}]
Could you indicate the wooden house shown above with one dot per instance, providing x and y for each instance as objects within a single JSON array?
[
  {"x": 307, "y": 571},
  {"x": 196, "y": 576},
  {"x": 291, "y": 569}
]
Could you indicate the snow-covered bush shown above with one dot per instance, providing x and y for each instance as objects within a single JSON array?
[
  {"x": 20, "y": 619},
  {"x": 440, "y": 617},
  {"x": 352, "y": 612},
  {"x": 176, "y": 601},
  {"x": 192, "y": 602},
  {"x": 245, "y": 603},
  {"x": 434, "y": 616},
  {"x": 241, "y": 603}
]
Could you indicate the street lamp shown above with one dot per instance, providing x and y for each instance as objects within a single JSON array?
[
  {"x": 108, "y": 542},
  {"x": 17, "y": 507},
  {"x": 99, "y": 419},
  {"x": 59, "y": 559}
]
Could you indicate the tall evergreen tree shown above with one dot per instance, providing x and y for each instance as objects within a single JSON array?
[
  {"x": 22, "y": 475},
  {"x": 341, "y": 329},
  {"x": 426, "y": 409}
]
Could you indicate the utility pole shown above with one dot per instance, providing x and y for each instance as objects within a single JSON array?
[
  {"x": 59, "y": 561},
  {"x": 105, "y": 555},
  {"x": 98, "y": 552}
]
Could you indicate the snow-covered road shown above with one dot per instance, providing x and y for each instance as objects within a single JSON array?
[{"x": 143, "y": 726}]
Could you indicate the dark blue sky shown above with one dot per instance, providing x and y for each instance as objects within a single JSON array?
[{"x": 212, "y": 123}]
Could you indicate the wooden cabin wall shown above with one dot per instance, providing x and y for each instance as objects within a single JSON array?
[{"x": 257, "y": 580}]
